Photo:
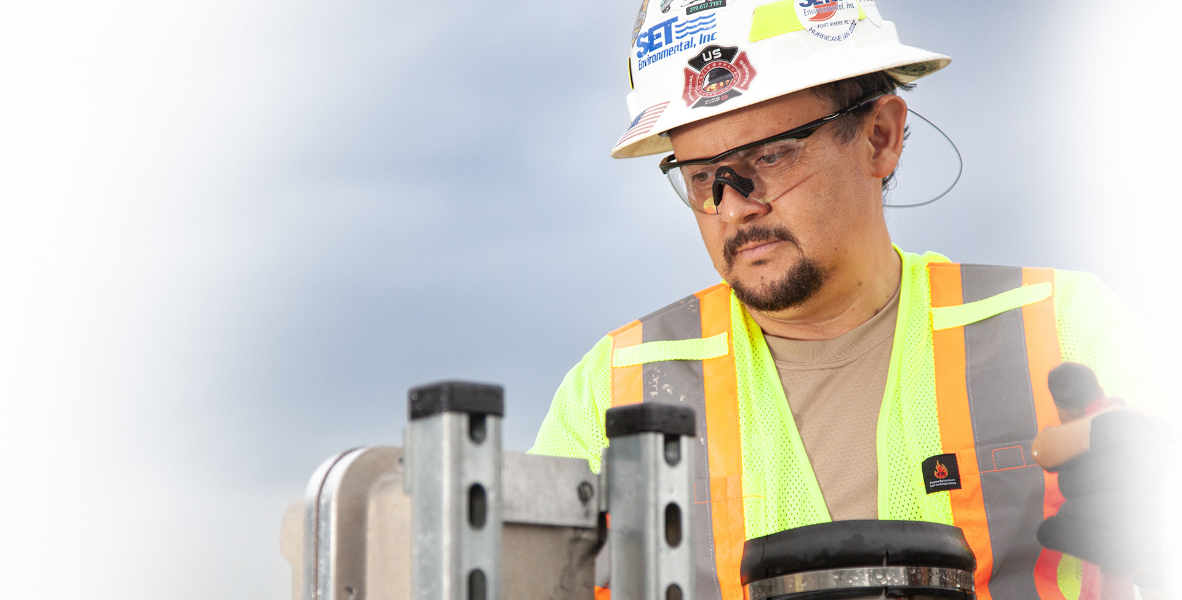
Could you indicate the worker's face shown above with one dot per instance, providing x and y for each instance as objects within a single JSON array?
[{"x": 779, "y": 255}]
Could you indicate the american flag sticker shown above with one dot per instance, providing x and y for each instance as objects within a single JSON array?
[{"x": 643, "y": 123}]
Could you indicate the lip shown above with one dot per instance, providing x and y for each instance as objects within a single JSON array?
[{"x": 757, "y": 250}]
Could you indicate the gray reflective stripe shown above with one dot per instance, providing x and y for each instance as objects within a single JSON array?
[
  {"x": 681, "y": 382},
  {"x": 1004, "y": 424}
]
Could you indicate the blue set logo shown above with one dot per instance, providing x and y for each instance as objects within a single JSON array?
[
  {"x": 692, "y": 26},
  {"x": 671, "y": 36}
]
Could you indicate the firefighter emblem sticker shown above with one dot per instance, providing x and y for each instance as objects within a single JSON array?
[
  {"x": 941, "y": 473},
  {"x": 829, "y": 20},
  {"x": 716, "y": 74}
]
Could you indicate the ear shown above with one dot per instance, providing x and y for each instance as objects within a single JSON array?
[{"x": 885, "y": 134}]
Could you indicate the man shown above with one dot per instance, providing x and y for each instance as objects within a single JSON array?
[{"x": 835, "y": 376}]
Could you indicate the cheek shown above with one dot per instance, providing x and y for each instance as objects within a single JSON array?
[
  {"x": 713, "y": 235},
  {"x": 827, "y": 212},
  {"x": 820, "y": 208},
  {"x": 838, "y": 195}
]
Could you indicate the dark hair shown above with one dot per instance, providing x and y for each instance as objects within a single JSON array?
[
  {"x": 846, "y": 92},
  {"x": 1074, "y": 386}
]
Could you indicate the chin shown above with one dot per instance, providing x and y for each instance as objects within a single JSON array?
[{"x": 794, "y": 287}]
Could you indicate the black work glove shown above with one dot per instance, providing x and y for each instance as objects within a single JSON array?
[{"x": 1112, "y": 513}]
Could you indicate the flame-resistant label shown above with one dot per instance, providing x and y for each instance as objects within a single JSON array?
[{"x": 941, "y": 473}]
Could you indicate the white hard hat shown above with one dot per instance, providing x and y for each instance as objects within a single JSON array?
[{"x": 693, "y": 59}]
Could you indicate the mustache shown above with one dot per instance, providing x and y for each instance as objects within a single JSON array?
[{"x": 755, "y": 233}]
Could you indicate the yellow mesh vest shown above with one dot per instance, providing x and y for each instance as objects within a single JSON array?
[{"x": 779, "y": 487}]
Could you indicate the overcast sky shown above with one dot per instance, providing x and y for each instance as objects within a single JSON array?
[{"x": 233, "y": 233}]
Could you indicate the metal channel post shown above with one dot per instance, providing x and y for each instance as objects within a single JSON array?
[
  {"x": 455, "y": 484},
  {"x": 651, "y": 490}
]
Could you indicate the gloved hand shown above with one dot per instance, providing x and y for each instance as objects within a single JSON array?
[{"x": 1113, "y": 498}]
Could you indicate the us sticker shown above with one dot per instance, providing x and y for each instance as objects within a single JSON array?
[
  {"x": 941, "y": 473},
  {"x": 829, "y": 20},
  {"x": 715, "y": 75}
]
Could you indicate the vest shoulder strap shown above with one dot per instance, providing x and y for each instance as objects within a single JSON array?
[
  {"x": 994, "y": 341},
  {"x": 682, "y": 354}
]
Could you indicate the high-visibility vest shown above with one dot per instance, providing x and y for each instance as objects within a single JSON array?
[{"x": 987, "y": 334}]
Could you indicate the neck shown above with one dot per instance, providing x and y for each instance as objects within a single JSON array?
[{"x": 845, "y": 301}]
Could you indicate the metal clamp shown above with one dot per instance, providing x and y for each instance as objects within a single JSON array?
[{"x": 868, "y": 578}]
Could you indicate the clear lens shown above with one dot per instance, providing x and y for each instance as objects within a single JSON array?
[
  {"x": 929, "y": 168},
  {"x": 678, "y": 182},
  {"x": 773, "y": 168}
]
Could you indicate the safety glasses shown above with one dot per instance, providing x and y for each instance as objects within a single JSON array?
[{"x": 762, "y": 170}]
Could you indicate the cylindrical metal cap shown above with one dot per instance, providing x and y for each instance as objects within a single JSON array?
[
  {"x": 456, "y": 396},
  {"x": 650, "y": 417},
  {"x": 833, "y": 560}
]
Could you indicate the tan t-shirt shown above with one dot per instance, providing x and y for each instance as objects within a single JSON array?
[{"x": 835, "y": 389}]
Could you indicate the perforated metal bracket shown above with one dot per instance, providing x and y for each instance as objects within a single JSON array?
[
  {"x": 650, "y": 487},
  {"x": 455, "y": 474}
]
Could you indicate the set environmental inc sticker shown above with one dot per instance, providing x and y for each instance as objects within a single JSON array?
[
  {"x": 672, "y": 36},
  {"x": 715, "y": 75},
  {"x": 829, "y": 20}
]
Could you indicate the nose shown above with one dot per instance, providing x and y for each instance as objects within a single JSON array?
[{"x": 736, "y": 209}]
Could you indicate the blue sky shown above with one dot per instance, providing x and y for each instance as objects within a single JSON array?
[{"x": 232, "y": 235}]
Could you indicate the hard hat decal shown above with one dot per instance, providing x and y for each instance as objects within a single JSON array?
[
  {"x": 716, "y": 75},
  {"x": 672, "y": 36},
  {"x": 666, "y": 5},
  {"x": 774, "y": 19},
  {"x": 917, "y": 70},
  {"x": 778, "y": 18},
  {"x": 639, "y": 20},
  {"x": 643, "y": 123},
  {"x": 697, "y": 6},
  {"x": 829, "y": 20}
]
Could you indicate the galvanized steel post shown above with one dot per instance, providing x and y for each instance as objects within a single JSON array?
[
  {"x": 455, "y": 474},
  {"x": 651, "y": 491}
]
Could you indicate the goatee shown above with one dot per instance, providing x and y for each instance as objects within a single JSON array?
[{"x": 796, "y": 287}]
